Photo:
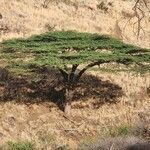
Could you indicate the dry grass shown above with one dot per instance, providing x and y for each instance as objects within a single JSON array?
[
  {"x": 27, "y": 17},
  {"x": 33, "y": 122},
  {"x": 44, "y": 124}
]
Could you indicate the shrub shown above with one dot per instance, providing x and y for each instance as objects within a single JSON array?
[
  {"x": 123, "y": 130},
  {"x": 21, "y": 145}
]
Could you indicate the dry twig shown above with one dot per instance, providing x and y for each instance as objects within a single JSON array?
[{"x": 139, "y": 14}]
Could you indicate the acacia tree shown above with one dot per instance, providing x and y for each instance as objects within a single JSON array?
[{"x": 73, "y": 50}]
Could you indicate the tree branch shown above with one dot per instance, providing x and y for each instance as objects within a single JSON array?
[
  {"x": 64, "y": 74},
  {"x": 139, "y": 14},
  {"x": 89, "y": 66},
  {"x": 72, "y": 73}
]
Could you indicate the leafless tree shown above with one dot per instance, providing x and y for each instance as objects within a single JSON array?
[{"x": 140, "y": 8}]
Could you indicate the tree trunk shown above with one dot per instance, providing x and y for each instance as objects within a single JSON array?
[
  {"x": 69, "y": 92},
  {"x": 67, "y": 108},
  {"x": 69, "y": 82}
]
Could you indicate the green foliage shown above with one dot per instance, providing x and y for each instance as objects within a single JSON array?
[
  {"x": 20, "y": 145},
  {"x": 141, "y": 69},
  {"x": 123, "y": 130},
  {"x": 61, "y": 48}
]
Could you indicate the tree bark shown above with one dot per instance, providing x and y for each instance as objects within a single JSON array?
[
  {"x": 69, "y": 93},
  {"x": 69, "y": 84}
]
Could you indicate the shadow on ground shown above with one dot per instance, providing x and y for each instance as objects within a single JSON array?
[
  {"x": 117, "y": 143},
  {"x": 48, "y": 86}
]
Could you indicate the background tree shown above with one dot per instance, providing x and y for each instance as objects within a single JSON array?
[{"x": 72, "y": 53}]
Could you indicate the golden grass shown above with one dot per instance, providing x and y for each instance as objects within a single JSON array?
[
  {"x": 19, "y": 121},
  {"x": 27, "y": 17},
  {"x": 37, "y": 121}
]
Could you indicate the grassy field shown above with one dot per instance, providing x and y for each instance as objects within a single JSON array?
[
  {"x": 31, "y": 119},
  {"x": 111, "y": 107}
]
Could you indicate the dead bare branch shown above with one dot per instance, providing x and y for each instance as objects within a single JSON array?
[
  {"x": 139, "y": 14},
  {"x": 139, "y": 11}
]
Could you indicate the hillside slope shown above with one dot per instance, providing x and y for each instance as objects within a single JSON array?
[
  {"x": 26, "y": 17},
  {"x": 41, "y": 122}
]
